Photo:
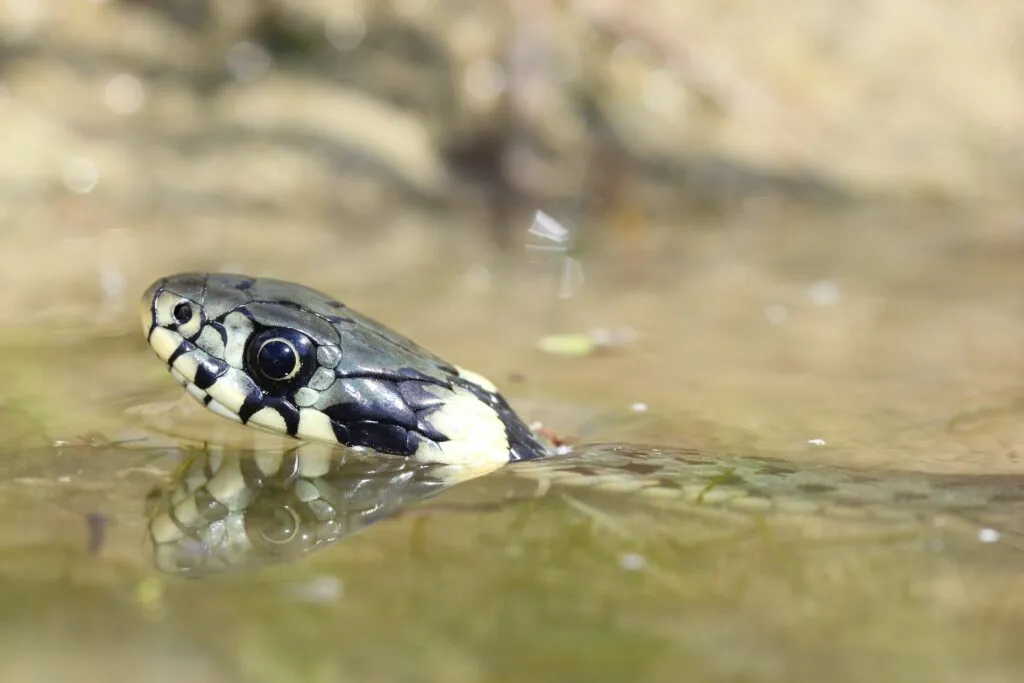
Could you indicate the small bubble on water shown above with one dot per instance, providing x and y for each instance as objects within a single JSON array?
[
  {"x": 988, "y": 535},
  {"x": 816, "y": 442},
  {"x": 639, "y": 407},
  {"x": 632, "y": 562}
]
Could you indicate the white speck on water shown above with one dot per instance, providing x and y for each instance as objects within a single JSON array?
[
  {"x": 80, "y": 175},
  {"x": 319, "y": 590},
  {"x": 777, "y": 314},
  {"x": 988, "y": 535},
  {"x": 823, "y": 293},
  {"x": 64, "y": 480},
  {"x": 113, "y": 283},
  {"x": 612, "y": 338},
  {"x": 632, "y": 562},
  {"x": 816, "y": 442},
  {"x": 563, "y": 450},
  {"x": 547, "y": 228},
  {"x": 123, "y": 94},
  {"x": 639, "y": 407}
]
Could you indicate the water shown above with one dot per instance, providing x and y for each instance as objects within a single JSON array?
[{"x": 882, "y": 338}]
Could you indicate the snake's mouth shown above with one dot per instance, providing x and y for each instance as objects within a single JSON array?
[{"x": 184, "y": 368}]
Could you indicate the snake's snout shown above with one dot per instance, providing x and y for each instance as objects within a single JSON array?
[{"x": 146, "y": 306}]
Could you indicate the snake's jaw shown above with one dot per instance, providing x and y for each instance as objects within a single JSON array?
[{"x": 293, "y": 361}]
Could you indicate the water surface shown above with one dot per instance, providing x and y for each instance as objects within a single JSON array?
[{"x": 884, "y": 338}]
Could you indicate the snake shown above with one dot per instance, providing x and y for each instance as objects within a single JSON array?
[{"x": 379, "y": 421}]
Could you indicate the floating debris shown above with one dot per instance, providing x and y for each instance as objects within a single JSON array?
[
  {"x": 632, "y": 562},
  {"x": 566, "y": 345},
  {"x": 149, "y": 593},
  {"x": 587, "y": 343},
  {"x": 97, "y": 524},
  {"x": 988, "y": 535},
  {"x": 550, "y": 242}
]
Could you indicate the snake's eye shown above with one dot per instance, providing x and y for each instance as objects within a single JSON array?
[
  {"x": 277, "y": 359},
  {"x": 280, "y": 357},
  {"x": 182, "y": 312}
]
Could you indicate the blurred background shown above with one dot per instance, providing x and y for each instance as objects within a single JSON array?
[
  {"x": 757, "y": 200},
  {"x": 791, "y": 228}
]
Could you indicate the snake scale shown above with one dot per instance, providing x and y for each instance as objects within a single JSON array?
[{"x": 379, "y": 420}]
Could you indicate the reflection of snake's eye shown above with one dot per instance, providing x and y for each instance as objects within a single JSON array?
[
  {"x": 279, "y": 526},
  {"x": 280, "y": 357},
  {"x": 275, "y": 527},
  {"x": 182, "y": 312}
]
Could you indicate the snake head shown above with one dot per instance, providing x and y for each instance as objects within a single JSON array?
[{"x": 293, "y": 361}]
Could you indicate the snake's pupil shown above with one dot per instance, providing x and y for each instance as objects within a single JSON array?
[
  {"x": 277, "y": 359},
  {"x": 182, "y": 313}
]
